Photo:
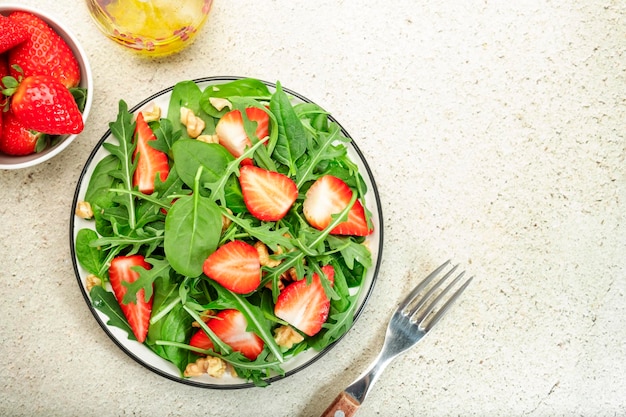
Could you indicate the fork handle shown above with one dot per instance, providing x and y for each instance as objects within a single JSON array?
[{"x": 344, "y": 405}]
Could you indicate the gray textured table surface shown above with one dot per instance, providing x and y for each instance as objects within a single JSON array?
[{"x": 495, "y": 131}]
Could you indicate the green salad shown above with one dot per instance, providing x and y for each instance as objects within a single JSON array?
[{"x": 229, "y": 234}]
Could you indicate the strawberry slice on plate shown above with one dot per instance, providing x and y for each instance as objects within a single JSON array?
[
  {"x": 330, "y": 195},
  {"x": 231, "y": 327},
  {"x": 231, "y": 133},
  {"x": 137, "y": 313},
  {"x": 150, "y": 161},
  {"x": 305, "y": 306},
  {"x": 268, "y": 195},
  {"x": 236, "y": 266}
]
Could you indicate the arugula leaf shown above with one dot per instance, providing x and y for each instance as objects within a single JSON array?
[
  {"x": 160, "y": 269},
  {"x": 123, "y": 129},
  {"x": 165, "y": 135},
  {"x": 264, "y": 232},
  {"x": 319, "y": 151},
  {"x": 351, "y": 251},
  {"x": 253, "y": 314}
]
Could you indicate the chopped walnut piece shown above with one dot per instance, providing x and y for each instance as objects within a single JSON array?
[
  {"x": 152, "y": 115},
  {"x": 83, "y": 210},
  {"x": 210, "y": 365},
  {"x": 281, "y": 285},
  {"x": 292, "y": 274},
  {"x": 92, "y": 281},
  {"x": 286, "y": 336},
  {"x": 219, "y": 103},
  {"x": 264, "y": 255},
  {"x": 205, "y": 316},
  {"x": 193, "y": 123},
  {"x": 208, "y": 138},
  {"x": 226, "y": 221}
]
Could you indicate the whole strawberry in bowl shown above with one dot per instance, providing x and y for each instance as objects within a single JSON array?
[{"x": 45, "y": 87}]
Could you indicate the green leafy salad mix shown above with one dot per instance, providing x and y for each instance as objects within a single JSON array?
[{"x": 188, "y": 217}]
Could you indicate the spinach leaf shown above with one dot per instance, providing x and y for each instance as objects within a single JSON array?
[
  {"x": 246, "y": 87},
  {"x": 101, "y": 181},
  {"x": 105, "y": 301},
  {"x": 187, "y": 94},
  {"x": 174, "y": 326},
  {"x": 292, "y": 137},
  {"x": 190, "y": 155},
  {"x": 88, "y": 256},
  {"x": 192, "y": 231}
]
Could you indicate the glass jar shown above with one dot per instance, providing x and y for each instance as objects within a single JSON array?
[{"x": 151, "y": 27}]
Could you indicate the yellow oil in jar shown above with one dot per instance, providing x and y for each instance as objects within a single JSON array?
[{"x": 151, "y": 27}]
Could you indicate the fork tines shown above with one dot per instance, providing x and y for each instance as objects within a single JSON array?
[{"x": 428, "y": 301}]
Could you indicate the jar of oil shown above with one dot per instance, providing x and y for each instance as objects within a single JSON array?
[{"x": 151, "y": 27}]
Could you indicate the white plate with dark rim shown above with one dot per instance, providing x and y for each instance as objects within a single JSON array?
[{"x": 141, "y": 353}]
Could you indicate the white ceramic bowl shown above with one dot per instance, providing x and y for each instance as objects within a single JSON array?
[
  {"x": 86, "y": 81},
  {"x": 140, "y": 352}
]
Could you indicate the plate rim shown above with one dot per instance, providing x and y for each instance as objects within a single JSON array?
[{"x": 136, "y": 358}]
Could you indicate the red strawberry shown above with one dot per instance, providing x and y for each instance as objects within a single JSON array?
[
  {"x": 330, "y": 195},
  {"x": 4, "y": 71},
  {"x": 268, "y": 195},
  {"x": 138, "y": 313},
  {"x": 4, "y": 65},
  {"x": 235, "y": 266},
  {"x": 305, "y": 306},
  {"x": 15, "y": 139},
  {"x": 151, "y": 161},
  {"x": 45, "y": 53},
  {"x": 11, "y": 33},
  {"x": 231, "y": 327},
  {"x": 232, "y": 134},
  {"x": 43, "y": 104}
]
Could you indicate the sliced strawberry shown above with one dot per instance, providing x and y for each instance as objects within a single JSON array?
[
  {"x": 44, "y": 53},
  {"x": 137, "y": 313},
  {"x": 231, "y": 327},
  {"x": 150, "y": 161},
  {"x": 330, "y": 195},
  {"x": 11, "y": 33},
  {"x": 268, "y": 195},
  {"x": 232, "y": 134},
  {"x": 235, "y": 266},
  {"x": 15, "y": 138},
  {"x": 305, "y": 306},
  {"x": 43, "y": 104}
]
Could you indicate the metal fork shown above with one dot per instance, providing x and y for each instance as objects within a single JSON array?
[{"x": 415, "y": 316}]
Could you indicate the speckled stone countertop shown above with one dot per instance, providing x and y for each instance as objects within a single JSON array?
[{"x": 495, "y": 131}]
